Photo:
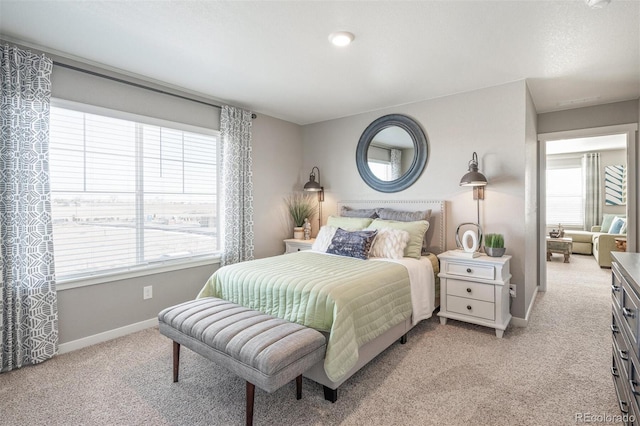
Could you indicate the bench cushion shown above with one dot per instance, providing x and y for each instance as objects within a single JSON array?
[{"x": 266, "y": 351}]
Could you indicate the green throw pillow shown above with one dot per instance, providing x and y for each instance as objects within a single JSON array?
[
  {"x": 349, "y": 223},
  {"x": 416, "y": 231}
]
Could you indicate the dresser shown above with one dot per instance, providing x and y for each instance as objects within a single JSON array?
[
  {"x": 475, "y": 290},
  {"x": 293, "y": 245},
  {"x": 625, "y": 302}
]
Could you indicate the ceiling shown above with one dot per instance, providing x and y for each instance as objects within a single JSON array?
[{"x": 275, "y": 58}]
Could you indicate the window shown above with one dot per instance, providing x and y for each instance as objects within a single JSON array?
[
  {"x": 126, "y": 193},
  {"x": 380, "y": 169},
  {"x": 565, "y": 196}
]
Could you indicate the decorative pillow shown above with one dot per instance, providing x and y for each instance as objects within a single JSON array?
[
  {"x": 323, "y": 239},
  {"x": 390, "y": 243},
  {"x": 607, "y": 220},
  {"x": 352, "y": 244},
  {"x": 403, "y": 216},
  {"x": 349, "y": 212},
  {"x": 349, "y": 223},
  {"x": 416, "y": 231},
  {"x": 616, "y": 225},
  {"x": 623, "y": 230}
]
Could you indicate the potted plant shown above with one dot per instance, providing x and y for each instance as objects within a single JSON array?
[
  {"x": 494, "y": 245},
  {"x": 300, "y": 206}
]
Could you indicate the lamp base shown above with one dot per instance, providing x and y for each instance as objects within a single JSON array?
[{"x": 467, "y": 254}]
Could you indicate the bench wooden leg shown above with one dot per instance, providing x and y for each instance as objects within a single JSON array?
[
  {"x": 176, "y": 360},
  {"x": 403, "y": 339},
  {"x": 251, "y": 390},
  {"x": 299, "y": 387},
  {"x": 330, "y": 395}
]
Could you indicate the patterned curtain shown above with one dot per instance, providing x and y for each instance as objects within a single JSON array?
[
  {"x": 396, "y": 165},
  {"x": 28, "y": 307},
  {"x": 592, "y": 191},
  {"x": 235, "y": 132}
]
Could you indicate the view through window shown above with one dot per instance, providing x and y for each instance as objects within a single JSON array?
[
  {"x": 128, "y": 194},
  {"x": 565, "y": 197}
]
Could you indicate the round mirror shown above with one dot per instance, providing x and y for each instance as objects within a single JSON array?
[{"x": 392, "y": 153}]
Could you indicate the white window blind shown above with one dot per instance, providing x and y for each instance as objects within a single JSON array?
[
  {"x": 127, "y": 194},
  {"x": 380, "y": 169},
  {"x": 565, "y": 196}
]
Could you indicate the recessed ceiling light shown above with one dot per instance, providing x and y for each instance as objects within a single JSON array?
[{"x": 341, "y": 38}]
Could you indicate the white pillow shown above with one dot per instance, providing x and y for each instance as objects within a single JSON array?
[
  {"x": 324, "y": 237},
  {"x": 390, "y": 243}
]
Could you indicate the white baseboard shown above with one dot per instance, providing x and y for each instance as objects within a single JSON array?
[
  {"x": 107, "y": 335},
  {"x": 523, "y": 322}
]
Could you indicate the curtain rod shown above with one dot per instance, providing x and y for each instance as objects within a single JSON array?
[{"x": 138, "y": 85}]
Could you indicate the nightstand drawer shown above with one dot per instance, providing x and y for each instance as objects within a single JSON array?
[
  {"x": 292, "y": 245},
  {"x": 474, "y": 308},
  {"x": 471, "y": 290},
  {"x": 486, "y": 272}
]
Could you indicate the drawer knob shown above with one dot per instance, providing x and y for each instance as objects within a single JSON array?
[
  {"x": 469, "y": 307},
  {"x": 633, "y": 385},
  {"x": 614, "y": 372},
  {"x": 469, "y": 270},
  {"x": 468, "y": 290},
  {"x": 615, "y": 288},
  {"x": 623, "y": 405},
  {"x": 623, "y": 355},
  {"x": 298, "y": 249},
  {"x": 628, "y": 313},
  {"x": 614, "y": 329}
]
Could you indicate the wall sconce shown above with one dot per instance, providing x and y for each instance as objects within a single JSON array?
[
  {"x": 476, "y": 180},
  {"x": 471, "y": 241},
  {"x": 313, "y": 186}
]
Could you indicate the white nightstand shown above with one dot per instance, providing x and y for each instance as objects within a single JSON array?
[
  {"x": 475, "y": 290},
  {"x": 293, "y": 245}
]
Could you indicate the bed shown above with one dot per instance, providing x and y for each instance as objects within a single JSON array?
[{"x": 362, "y": 306}]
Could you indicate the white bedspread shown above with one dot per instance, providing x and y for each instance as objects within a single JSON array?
[{"x": 423, "y": 288}]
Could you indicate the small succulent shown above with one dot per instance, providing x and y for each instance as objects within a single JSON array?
[{"x": 494, "y": 241}]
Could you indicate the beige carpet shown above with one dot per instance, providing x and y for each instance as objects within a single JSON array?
[{"x": 457, "y": 374}]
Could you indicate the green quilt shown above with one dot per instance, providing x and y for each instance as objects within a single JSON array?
[{"x": 354, "y": 300}]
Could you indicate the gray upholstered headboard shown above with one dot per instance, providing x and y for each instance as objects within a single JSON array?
[{"x": 436, "y": 235}]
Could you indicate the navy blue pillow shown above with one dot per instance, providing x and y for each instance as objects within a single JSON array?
[{"x": 352, "y": 243}]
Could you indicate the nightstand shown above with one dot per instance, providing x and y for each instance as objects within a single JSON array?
[
  {"x": 475, "y": 290},
  {"x": 293, "y": 245}
]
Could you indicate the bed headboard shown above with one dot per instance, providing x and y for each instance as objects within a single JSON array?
[{"x": 436, "y": 235}]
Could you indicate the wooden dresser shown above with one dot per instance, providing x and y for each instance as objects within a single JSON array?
[{"x": 625, "y": 323}]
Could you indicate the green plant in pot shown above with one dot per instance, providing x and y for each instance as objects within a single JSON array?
[
  {"x": 301, "y": 206},
  {"x": 494, "y": 245}
]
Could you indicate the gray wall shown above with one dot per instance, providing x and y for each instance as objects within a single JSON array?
[
  {"x": 495, "y": 122},
  {"x": 587, "y": 117}
]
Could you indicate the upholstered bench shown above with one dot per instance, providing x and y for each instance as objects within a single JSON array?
[{"x": 265, "y": 351}]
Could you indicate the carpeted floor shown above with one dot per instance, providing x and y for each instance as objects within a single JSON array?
[{"x": 456, "y": 374}]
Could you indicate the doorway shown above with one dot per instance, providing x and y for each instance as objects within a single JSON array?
[{"x": 616, "y": 144}]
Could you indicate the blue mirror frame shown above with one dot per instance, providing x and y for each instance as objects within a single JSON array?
[{"x": 419, "y": 159}]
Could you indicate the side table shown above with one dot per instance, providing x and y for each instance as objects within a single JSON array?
[{"x": 559, "y": 245}]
